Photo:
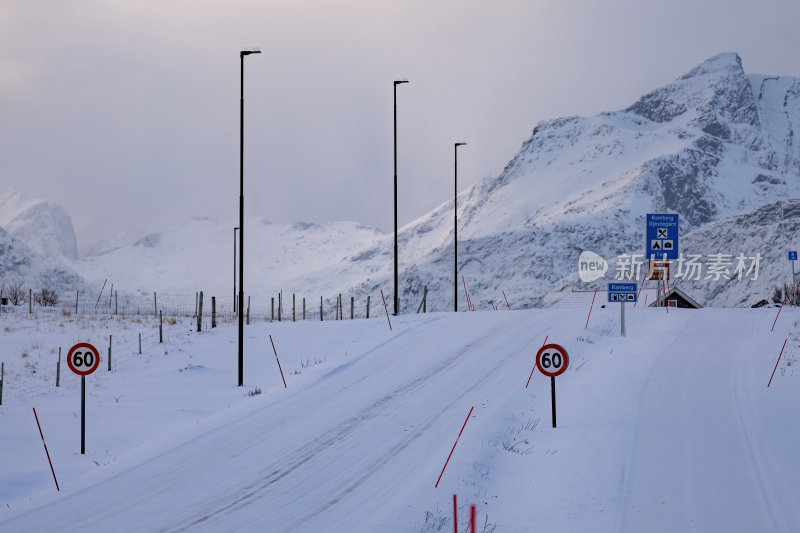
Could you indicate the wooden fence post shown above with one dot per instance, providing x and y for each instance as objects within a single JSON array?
[
  {"x": 320, "y": 308},
  {"x": 280, "y": 297},
  {"x": 367, "y": 305},
  {"x": 340, "y": 307},
  {"x": 2, "y": 372},
  {"x": 352, "y": 307},
  {"x": 30, "y": 297},
  {"x": 76, "y": 301},
  {"x": 200, "y": 311},
  {"x": 213, "y": 312},
  {"x": 58, "y": 368},
  {"x": 140, "y": 344},
  {"x": 293, "y": 307},
  {"x": 155, "y": 304},
  {"x": 304, "y": 307},
  {"x": 425, "y": 300},
  {"x": 160, "y": 327},
  {"x": 109, "y": 352},
  {"x": 272, "y": 304},
  {"x": 248, "y": 310}
]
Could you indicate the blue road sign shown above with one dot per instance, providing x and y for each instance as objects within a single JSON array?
[
  {"x": 621, "y": 292},
  {"x": 661, "y": 236},
  {"x": 792, "y": 256}
]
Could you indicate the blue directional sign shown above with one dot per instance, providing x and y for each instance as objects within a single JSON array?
[
  {"x": 661, "y": 236},
  {"x": 621, "y": 292},
  {"x": 792, "y": 256}
]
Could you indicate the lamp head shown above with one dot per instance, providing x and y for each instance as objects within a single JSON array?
[
  {"x": 461, "y": 144},
  {"x": 398, "y": 82},
  {"x": 251, "y": 51}
]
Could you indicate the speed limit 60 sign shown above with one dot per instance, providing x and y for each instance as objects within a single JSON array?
[
  {"x": 552, "y": 360},
  {"x": 83, "y": 359}
]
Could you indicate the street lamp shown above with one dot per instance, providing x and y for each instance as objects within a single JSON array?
[
  {"x": 234, "y": 268},
  {"x": 455, "y": 230},
  {"x": 241, "y": 212},
  {"x": 396, "y": 297}
]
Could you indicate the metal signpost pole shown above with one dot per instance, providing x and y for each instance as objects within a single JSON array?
[{"x": 83, "y": 415}]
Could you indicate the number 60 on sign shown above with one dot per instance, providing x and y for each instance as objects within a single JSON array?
[
  {"x": 83, "y": 359},
  {"x": 552, "y": 360}
]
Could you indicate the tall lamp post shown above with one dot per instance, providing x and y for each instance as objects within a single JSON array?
[
  {"x": 241, "y": 212},
  {"x": 455, "y": 229},
  {"x": 396, "y": 297},
  {"x": 234, "y": 268}
]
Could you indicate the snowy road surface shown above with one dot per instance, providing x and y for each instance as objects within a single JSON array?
[
  {"x": 669, "y": 429},
  {"x": 704, "y": 454}
]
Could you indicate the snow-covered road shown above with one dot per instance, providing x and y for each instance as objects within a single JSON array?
[
  {"x": 702, "y": 457},
  {"x": 669, "y": 429}
]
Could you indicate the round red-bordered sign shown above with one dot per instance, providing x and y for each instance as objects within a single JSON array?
[
  {"x": 552, "y": 360},
  {"x": 83, "y": 359}
]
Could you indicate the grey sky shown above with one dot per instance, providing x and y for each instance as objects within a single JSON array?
[{"x": 127, "y": 111}]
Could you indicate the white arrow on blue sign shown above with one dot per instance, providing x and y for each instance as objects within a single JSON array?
[{"x": 792, "y": 256}]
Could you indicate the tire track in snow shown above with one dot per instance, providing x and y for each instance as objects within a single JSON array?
[
  {"x": 687, "y": 466},
  {"x": 278, "y": 470},
  {"x": 752, "y": 442}
]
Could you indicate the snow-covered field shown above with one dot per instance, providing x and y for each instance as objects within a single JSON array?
[{"x": 671, "y": 428}]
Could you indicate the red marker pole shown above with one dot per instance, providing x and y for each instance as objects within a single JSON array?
[
  {"x": 45, "y": 448},
  {"x": 504, "y": 296},
  {"x": 472, "y": 518},
  {"x": 466, "y": 293},
  {"x": 779, "y": 313},
  {"x": 590, "y": 310},
  {"x": 534, "y": 364},
  {"x": 776, "y": 364},
  {"x": 101, "y": 294},
  {"x": 279, "y": 362},
  {"x": 640, "y": 290},
  {"x": 385, "y": 308},
  {"x": 454, "y": 446},
  {"x": 455, "y": 515}
]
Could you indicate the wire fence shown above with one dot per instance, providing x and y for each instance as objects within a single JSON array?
[{"x": 274, "y": 308}]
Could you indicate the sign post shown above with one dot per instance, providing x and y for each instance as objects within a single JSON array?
[
  {"x": 83, "y": 359},
  {"x": 793, "y": 258},
  {"x": 622, "y": 292},
  {"x": 552, "y": 360}
]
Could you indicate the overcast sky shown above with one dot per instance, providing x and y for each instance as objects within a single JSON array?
[{"x": 127, "y": 112}]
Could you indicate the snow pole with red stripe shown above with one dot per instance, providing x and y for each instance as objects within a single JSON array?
[
  {"x": 386, "y": 308},
  {"x": 279, "y": 362},
  {"x": 590, "y": 310},
  {"x": 454, "y": 446},
  {"x": 101, "y": 294}
]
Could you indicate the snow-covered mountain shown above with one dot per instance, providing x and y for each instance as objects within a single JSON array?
[
  {"x": 713, "y": 145},
  {"x": 20, "y": 264},
  {"x": 43, "y": 226},
  {"x": 199, "y": 255}
]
